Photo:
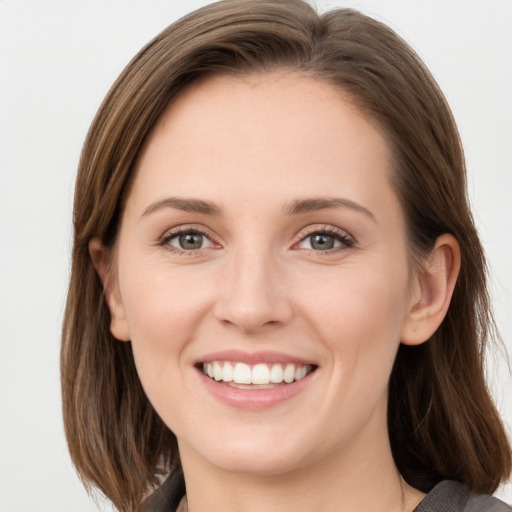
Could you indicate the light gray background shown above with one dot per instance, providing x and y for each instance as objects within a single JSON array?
[{"x": 57, "y": 60}]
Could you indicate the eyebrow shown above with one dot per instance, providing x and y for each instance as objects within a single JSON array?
[
  {"x": 186, "y": 205},
  {"x": 325, "y": 203},
  {"x": 294, "y": 208}
]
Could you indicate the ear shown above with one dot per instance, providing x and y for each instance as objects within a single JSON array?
[
  {"x": 432, "y": 291},
  {"x": 102, "y": 261}
]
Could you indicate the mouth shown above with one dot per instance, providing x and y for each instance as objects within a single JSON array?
[{"x": 256, "y": 376}]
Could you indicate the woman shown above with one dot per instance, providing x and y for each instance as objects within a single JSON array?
[{"x": 278, "y": 296}]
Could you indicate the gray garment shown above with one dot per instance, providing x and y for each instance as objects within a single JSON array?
[
  {"x": 450, "y": 496},
  {"x": 446, "y": 496}
]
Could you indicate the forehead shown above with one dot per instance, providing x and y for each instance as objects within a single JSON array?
[
  {"x": 269, "y": 100},
  {"x": 280, "y": 128}
]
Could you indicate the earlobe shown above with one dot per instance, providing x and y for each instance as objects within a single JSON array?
[
  {"x": 434, "y": 285},
  {"x": 101, "y": 259}
]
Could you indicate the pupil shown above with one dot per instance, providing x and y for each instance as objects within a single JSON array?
[
  {"x": 191, "y": 241},
  {"x": 322, "y": 242}
]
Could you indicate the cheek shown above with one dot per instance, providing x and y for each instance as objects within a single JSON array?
[
  {"x": 161, "y": 303},
  {"x": 354, "y": 302},
  {"x": 163, "y": 310},
  {"x": 359, "y": 317},
  {"x": 359, "y": 320}
]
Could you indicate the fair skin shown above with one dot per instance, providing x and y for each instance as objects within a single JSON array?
[{"x": 261, "y": 228}]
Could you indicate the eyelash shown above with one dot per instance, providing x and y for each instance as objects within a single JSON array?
[
  {"x": 170, "y": 235},
  {"x": 340, "y": 236}
]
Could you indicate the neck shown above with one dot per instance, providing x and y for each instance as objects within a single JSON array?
[
  {"x": 300, "y": 491},
  {"x": 362, "y": 477}
]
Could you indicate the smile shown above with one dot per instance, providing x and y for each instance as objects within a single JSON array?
[{"x": 261, "y": 375}]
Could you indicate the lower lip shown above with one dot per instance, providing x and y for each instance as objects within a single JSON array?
[{"x": 254, "y": 399}]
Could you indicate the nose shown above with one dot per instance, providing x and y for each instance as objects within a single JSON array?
[{"x": 253, "y": 294}]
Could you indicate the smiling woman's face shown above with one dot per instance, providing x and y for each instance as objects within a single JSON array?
[{"x": 262, "y": 242}]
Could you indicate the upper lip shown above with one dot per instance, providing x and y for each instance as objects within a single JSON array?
[{"x": 250, "y": 358}]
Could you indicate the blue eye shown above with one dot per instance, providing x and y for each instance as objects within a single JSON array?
[{"x": 188, "y": 241}]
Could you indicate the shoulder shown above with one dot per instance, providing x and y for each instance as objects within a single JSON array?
[{"x": 450, "y": 496}]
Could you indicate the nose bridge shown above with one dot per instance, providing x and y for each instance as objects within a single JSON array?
[{"x": 253, "y": 293}]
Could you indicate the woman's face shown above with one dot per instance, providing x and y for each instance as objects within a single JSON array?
[{"x": 262, "y": 242}]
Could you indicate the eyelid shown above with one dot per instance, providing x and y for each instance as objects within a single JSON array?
[
  {"x": 171, "y": 233},
  {"x": 343, "y": 236}
]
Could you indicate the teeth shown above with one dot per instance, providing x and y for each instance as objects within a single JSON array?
[
  {"x": 300, "y": 372},
  {"x": 227, "y": 372},
  {"x": 289, "y": 373},
  {"x": 242, "y": 374},
  {"x": 260, "y": 374},
  {"x": 217, "y": 371},
  {"x": 276, "y": 373}
]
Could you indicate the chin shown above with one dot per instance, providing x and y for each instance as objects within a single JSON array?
[
  {"x": 256, "y": 454},
  {"x": 258, "y": 464}
]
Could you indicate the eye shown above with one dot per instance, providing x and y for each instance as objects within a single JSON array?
[
  {"x": 187, "y": 241},
  {"x": 325, "y": 240}
]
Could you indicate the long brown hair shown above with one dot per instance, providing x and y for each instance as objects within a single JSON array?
[{"x": 442, "y": 420}]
